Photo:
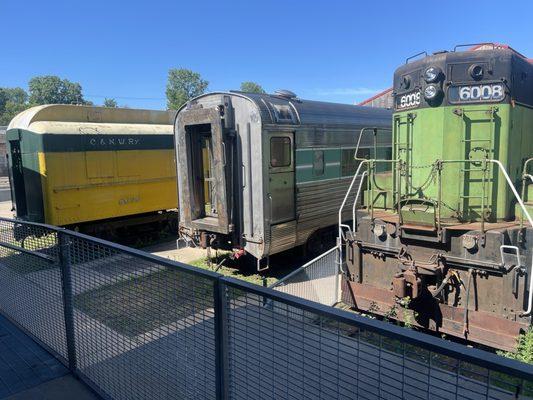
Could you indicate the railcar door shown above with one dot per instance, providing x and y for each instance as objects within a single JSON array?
[
  {"x": 203, "y": 165},
  {"x": 281, "y": 176}
]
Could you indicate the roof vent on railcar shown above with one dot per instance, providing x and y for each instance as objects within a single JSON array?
[{"x": 286, "y": 94}]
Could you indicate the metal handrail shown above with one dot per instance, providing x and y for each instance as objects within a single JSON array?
[
  {"x": 529, "y": 309},
  {"x": 357, "y": 174},
  {"x": 33, "y": 253},
  {"x": 223, "y": 309},
  {"x": 433, "y": 343},
  {"x": 119, "y": 247},
  {"x": 373, "y": 130},
  {"x": 362, "y": 161},
  {"x": 530, "y": 220},
  {"x": 525, "y": 212},
  {"x": 525, "y": 177},
  {"x": 363, "y": 130},
  {"x": 458, "y": 46},
  {"x": 348, "y": 194},
  {"x": 516, "y": 254},
  {"x": 356, "y": 199}
]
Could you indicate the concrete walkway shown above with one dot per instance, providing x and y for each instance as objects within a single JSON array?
[
  {"x": 64, "y": 388},
  {"x": 27, "y": 371}
]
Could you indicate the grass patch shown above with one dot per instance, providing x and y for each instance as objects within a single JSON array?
[
  {"x": 524, "y": 348},
  {"x": 233, "y": 269},
  {"x": 23, "y": 263},
  {"x": 524, "y": 353},
  {"x": 144, "y": 303}
]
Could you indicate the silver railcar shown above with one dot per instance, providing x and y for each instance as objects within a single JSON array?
[{"x": 264, "y": 173}]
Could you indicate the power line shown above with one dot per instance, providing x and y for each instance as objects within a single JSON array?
[{"x": 124, "y": 97}]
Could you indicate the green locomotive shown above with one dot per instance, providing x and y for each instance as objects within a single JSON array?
[{"x": 444, "y": 240}]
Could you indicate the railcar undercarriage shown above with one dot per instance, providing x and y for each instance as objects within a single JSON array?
[{"x": 470, "y": 284}]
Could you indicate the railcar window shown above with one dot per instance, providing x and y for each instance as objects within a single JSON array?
[
  {"x": 280, "y": 151},
  {"x": 348, "y": 163},
  {"x": 318, "y": 162}
]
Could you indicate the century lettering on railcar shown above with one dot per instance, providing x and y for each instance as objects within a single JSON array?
[{"x": 104, "y": 141}]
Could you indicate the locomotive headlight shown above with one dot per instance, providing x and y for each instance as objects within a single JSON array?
[
  {"x": 431, "y": 74},
  {"x": 430, "y": 92},
  {"x": 476, "y": 71}
]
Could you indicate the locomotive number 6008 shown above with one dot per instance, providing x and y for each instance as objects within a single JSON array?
[{"x": 476, "y": 93}]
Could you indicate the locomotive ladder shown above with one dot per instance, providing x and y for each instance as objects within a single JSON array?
[
  {"x": 472, "y": 167},
  {"x": 405, "y": 147}
]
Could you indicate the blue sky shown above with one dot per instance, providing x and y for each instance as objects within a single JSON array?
[{"x": 342, "y": 51}]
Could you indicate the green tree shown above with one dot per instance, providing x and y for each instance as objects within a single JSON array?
[
  {"x": 111, "y": 103},
  {"x": 54, "y": 90},
  {"x": 16, "y": 95},
  {"x": 251, "y": 87},
  {"x": 182, "y": 85},
  {"x": 12, "y": 102}
]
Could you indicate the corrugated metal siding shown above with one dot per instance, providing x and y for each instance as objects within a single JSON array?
[
  {"x": 283, "y": 237},
  {"x": 318, "y": 203},
  {"x": 317, "y": 206}
]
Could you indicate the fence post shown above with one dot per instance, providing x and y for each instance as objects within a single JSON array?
[
  {"x": 221, "y": 340},
  {"x": 68, "y": 308}
]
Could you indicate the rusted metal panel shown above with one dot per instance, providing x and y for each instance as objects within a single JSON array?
[
  {"x": 483, "y": 327},
  {"x": 451, "y": 287}
]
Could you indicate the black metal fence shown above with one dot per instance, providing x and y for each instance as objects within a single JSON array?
[{"x": 136, "y": 326}]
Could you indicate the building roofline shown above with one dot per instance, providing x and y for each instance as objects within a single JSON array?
[{"x": 374, "y": 97}]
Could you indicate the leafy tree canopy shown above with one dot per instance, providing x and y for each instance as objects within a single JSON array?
[
  {"x": 12, "y": 102},
  {"x": 182, "y": 85},
  {"x": 251, "y": 87},
  {"x": 51, "y": 89},
  {"x": 111, "y": 103}
]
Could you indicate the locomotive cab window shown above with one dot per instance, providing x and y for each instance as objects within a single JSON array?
[{"x": 280, "y": 151}]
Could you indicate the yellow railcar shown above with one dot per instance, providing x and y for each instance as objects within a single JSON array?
[{"x": 77, "y": 165}]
